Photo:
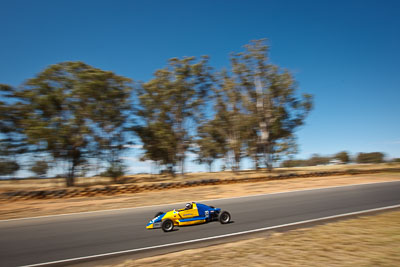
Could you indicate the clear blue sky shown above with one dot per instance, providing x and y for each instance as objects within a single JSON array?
[{"x": 345, "y": 53}]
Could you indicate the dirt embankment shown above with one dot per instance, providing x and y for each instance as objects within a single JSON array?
[
  {"x": 131, "y": 187},
  {"x": 142, "y": 179}
]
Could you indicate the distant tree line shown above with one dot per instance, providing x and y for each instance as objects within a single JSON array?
[
  {"x": 72, "y": 114},
  {"x": 339, "y": 158}
]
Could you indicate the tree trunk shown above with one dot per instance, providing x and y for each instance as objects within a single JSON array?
[
  {"x": 70, "y": 178},
  {"x": 268, "y": 158},
  {"x": 183, "y": 166},
  {"x": 237, "y": 165},
  {"x": 264, "y": 123},
  {"x": 75, "y": 156},
  {"x": 256, "y": 165},
  {"x": 209, "y": 166},
  {"x": 171, "y": 169}
]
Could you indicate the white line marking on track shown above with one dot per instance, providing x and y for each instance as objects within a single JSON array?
[
  {"x": 203, "y": 200},
  {"x": 212, "y": 237}
]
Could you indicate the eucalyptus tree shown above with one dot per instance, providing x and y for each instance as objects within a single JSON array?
[
  {"x": 158, "y": 139},
  {"x": 40, "y": 167},
  {"x": 230, "y": 119},
  {"x": 171, "y": 105},
  {"x": 12, "y": 139},
  {"x": 75, "y": 111},
  {"x": 343, "y": 156},
  {"x": 270, "y": 99},
  {"x": 373, "y": 157},
  {"x": 8, "y": 167},
  {"x": 210, "y": 144}
]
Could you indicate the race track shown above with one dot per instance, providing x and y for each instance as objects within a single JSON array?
[{"x": 55, "y": 238}]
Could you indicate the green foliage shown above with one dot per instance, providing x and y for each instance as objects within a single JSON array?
[
  {"x": 170, "y": 105},
  {"x": 318, "y": 160},
  {"x": 40, "y": 167},
  {"x": 294, "y": 163},
  {"x": 116, "y": 170},
  {"x": 159, "y": 143},
  {"x": 373, "y": 157},
  {"x": 314, "y": 160},
  {"x": 211, "y": 143},
  {"x": 230, "y": 121},
  {"x": 12, "y": 139},
  {"x": 268, "y": 98},
  {"x": 343, "y": 157},
  {"x": 75, "y": 111},
  {"x": 8, "y": 167}
]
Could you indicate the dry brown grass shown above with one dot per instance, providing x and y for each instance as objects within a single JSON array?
[
  {"x": 40, "y": 207},
  {"x": 366, "y": 241},
  {"x": 139, "y": 179}
]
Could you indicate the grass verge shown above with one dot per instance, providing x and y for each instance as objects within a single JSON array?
[{"x": 365, "y": 241}]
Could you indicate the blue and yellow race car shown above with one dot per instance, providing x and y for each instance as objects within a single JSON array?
[{"x": 193, "y": 213}]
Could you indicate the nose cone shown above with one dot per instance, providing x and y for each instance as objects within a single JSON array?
[{"x": 156, "y": 222}]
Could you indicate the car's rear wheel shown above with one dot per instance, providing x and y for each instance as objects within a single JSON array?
[
  {"x": 158, "y": 214},
  {"x": 167, "y": 225},
  {"x": 224, "y": 217}
]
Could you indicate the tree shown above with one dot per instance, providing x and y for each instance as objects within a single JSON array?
[
  {"x": 294, "y": 163},
  {"x": 171, "y": 104},
  {"x": 75, "y": 111},
  {"x": 269, "y": 96},
  {"x": 210, "y": 145},
  {"x": 316, "y": 159},
  {"x": 117, "y": 169},
  {"x": 159, "y": 142},
  {"x": 12, "y": 139},
  {"x": 40, "y": 167},
  {"x": 343, "y": 157},
  {"x": 230, "y": 120},
  {"x": 373, "y": 157},
  {"x": 8, "y": 167}
]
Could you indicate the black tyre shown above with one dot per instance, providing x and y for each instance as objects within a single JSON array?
[
  {"x": 158, "y": 214},
  {"x": 224, "y": 217},
  {"x": 167, "y": 225}
]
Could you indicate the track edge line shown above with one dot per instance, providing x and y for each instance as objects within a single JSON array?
[{"x": 116, "y": 253}]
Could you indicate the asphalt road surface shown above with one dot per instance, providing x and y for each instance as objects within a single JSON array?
[{"x": 54, "y": 238}]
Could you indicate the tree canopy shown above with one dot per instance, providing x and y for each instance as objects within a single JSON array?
[
  {"x": 76, "y": 113},
  {"x": 270, "y": 99},
  {"x": 170, "y": 106}
]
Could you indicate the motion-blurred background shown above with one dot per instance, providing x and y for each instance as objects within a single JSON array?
[{"x": 110, "y": 88}]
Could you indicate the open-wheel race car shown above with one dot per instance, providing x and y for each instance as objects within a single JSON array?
[{"x": 193, "y": 213}]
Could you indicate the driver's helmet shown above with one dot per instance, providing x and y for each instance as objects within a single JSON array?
[{"x": 188, "y": 206}]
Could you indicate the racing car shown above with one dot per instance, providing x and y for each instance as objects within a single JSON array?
[{"x": 193, "y": 213}]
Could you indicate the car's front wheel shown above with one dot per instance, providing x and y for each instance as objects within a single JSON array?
[
  {"x": 167, "y": 225},
  {"x": 224, "y": 217}
]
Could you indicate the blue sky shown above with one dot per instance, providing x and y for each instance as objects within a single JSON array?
[{"x": 345, "y": 53}]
